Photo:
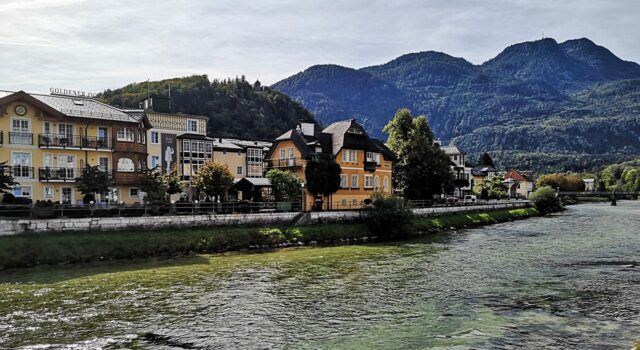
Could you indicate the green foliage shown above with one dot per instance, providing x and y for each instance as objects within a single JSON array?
[
  {"x": 545, "y": 200},
  {"x": 323, "y": 176},
  {"x": 233, "y": 106},
  {"x": 213, "y": 179},
  {"x": 171, "y": 181},
  {"x": 492, "y": 188},
  {"x": 6, "y": 180},
  {"x": 423, "y": 169},
  {"x": 151, "y": 184},
  {"x": 93, "y": 180},
  {"x": 285, "y": 186},
  {"x": 622, "y": 177},
  {"x": 486, "y": 160},
  {"x": 389, "y": 218},
  {"x": 561, "y": 182}
]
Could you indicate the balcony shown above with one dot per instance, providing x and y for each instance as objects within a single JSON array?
[
  {"x": 58, "y": 174},
  {"x": 74, "y": 142},
  {"x": 128, "y": 178},
  {"x": 285, "y": 163},
  {"x": 22, "y": 172},
  {"x": 370, "y": 165},
  {"x": 130, "y": 147},
  {"x": 20, "y": 138}
]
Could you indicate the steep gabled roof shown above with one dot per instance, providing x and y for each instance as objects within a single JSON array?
[{"x": 515, "y": 175}]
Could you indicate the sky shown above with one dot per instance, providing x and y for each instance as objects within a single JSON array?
[{"x": 93, "y": 45}]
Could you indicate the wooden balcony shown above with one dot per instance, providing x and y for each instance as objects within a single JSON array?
[
  {"x": 130, "y": 147},
  {"x": 127, "y": 178},
  {"x": 74, "y": 142},
  {"x": 285, "y": 163}
]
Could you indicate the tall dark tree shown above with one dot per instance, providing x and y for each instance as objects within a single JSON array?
[
  {"x": 6, "y": 180},
  {"x": 423, "y": 169},
  {"x": 93, "y": 180},
  {"x": 323, "y": 177},
  {"x": 486, "y": 160}
]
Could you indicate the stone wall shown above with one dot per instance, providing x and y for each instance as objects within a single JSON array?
[{"x": 12, "y": 227}]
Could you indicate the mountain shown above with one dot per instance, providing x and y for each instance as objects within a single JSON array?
[
  {"x": 539, "y": 105},
  {"x": 234, "y": 107}
]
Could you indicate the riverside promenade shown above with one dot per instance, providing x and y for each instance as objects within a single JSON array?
[{"x": 30, "y": 225}]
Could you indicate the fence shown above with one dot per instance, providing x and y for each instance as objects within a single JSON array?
[{"x": 123, "y": 210}]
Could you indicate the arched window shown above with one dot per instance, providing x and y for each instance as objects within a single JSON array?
[
  {"x": 377, "y": 183},
  {"x": 125, "y": 165},
  {"x": 386, "y": 184},
  {"x": 125, "y": 134}
]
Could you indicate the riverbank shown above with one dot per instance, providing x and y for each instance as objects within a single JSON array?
[{"x": 76, "y": 247}]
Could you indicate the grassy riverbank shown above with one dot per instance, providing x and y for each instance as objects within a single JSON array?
[{"x": 73, "y": 247}]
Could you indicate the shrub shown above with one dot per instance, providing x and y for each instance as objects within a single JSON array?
[
  {"x": 545, "y": 200},
  {"x": 88, "y": 198},
  {"x": 22, "y": 201},
  {"x": 8, "y": 198},
  {"x": 389, "y": 218}
]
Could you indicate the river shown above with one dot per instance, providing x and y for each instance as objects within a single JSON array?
[{"x": 569, "y": 281}]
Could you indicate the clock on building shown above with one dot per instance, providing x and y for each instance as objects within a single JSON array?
[{"x": 21, "y": 110}]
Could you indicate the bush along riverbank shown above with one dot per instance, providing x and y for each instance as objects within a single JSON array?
[{"x": 77, "y": 247}]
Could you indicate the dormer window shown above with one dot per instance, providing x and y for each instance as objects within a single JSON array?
[
  {"x": 192, "y": 125},
  {"x": 78, "y": 102},
  {"x": 355, "y": 130}
]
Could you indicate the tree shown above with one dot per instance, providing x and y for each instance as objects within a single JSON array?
[
  {"x": 323, "y": 177},
  {"x": 545, "y": 200},
  {"x": 423, "y": 169},
  {"x": 285, "y": 186},
  {"x": 171, "y": 181},
  {"x": 561, "y": 182},
  {"x": 486, "y": 160},
  {"x": 6, "y": 180},
  {"x": 153, "y": 187},
  {"x": 93, "y": 180},
  {"x": 213, "y": 179},
  {"x": 492, "y": 188}
]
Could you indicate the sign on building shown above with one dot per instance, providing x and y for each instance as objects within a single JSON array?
[{"x": 168, "y": 145}]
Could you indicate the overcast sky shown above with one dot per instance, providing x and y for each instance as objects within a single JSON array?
[{"x": 99, "y": 44}]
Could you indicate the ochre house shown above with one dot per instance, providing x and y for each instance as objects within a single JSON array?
[
  {"x": 366, "y": 163},
  {"x": 47, "y": 140}
]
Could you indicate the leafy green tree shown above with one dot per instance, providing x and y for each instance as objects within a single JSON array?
[
  {"x": 6, "y": 180},
  {"x": 153, "y": 186},
  {"x": 213, "y": 179},
  {"x": 172, "y": 182},
  {"x": 486, "y": 160},
  {"x": 423, "y": 169},
  {"x": 492, "y": 188},
  {"x": 323, "y": 177},
  {"x": 93, "y": 180},
  {"x": 561, "y": 182},
  {"x": 285, "y": 185},
  {"x": 545, "y": 200}
]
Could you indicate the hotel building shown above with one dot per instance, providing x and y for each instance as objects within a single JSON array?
[{"x": 47, "y": 140}]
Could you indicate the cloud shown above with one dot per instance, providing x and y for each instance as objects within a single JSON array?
[{"x": 94, "y": 45}]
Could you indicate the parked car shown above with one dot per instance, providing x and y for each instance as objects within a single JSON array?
[
  {"x": 470, "y": 199},
  {"x": 452, "y": 200}
]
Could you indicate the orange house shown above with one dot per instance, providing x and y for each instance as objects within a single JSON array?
[{"x": 366, "y": 163}]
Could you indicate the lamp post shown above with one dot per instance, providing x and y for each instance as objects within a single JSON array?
[{"x": 302, "y": 199}]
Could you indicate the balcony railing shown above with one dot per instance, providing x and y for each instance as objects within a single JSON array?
[
  {"x": 64, "y": 141},
  {"x": 285, "y": 163},
  {"x": 61, "y": 174},
  {"x": 20, "y": 138},
  {"x": 22, "y": 172},
  {"x": 370, "y": 165}
]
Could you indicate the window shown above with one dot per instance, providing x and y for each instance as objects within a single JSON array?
[
  {"x": 65, "y": 130},
  {"x": 224, "y": 152},
  {"x": 78, "y": 102},
  {"x": 186, "y": 146},
  {"x": 192, "y": 126},
  {"x": 283, "y": 154},
  {"x": 343, "y": 181},
  {"x": 47, "y": 128},
  {"x": 349, "y": 155},
  {"x": 20, "y": 132},
  {"x": 368, "y": 181},
  {"x": 103, "y": 135},
  {"x": 239, "y": 153},
  {"x": 354, "y": 202},
  {"x": 22, "y": 191},
  {"x": 354, "y": 181},
  {"x": 125, "y": 165},
  {"x": 290, "y": 153},
  {"x": 103, "y": 163},
  {"x": 377, "y": 183},
  {"x": 22, "y": 165},
  {"x": 48, "y": 192},
  {"x": 125, "y": 134},
  {"x": 65, "y": 195},
  {"x": 155, "y": 161},
  {"x": 134, "y": 192},
  {"x": 142, "y": 137},
  {"x": 239, "y": 170},
  {"x": 386, "y": 184}
]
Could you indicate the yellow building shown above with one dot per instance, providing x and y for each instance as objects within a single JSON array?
[
  {"x": 47, "y": 140},
  {"x": 481, "y": 174},
  {"x": 366, "y": 163}
]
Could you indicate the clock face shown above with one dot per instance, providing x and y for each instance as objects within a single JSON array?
[{"x": 21, "y": 110}]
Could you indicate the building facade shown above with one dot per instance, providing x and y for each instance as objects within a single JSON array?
[
  {"x": 48, "y": 140},
  {"x": 461, "y": 170},
  {"x": 366, "y": 163},
  {"x": 519, "y": 184}
]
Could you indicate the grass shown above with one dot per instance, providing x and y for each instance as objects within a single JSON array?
[{"x": 76, "y": 247}]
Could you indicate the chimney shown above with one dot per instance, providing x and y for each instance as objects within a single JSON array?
[{"x": 308, "y": 129}]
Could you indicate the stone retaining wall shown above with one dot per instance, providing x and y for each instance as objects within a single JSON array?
[{"x": 12, "y": 227}]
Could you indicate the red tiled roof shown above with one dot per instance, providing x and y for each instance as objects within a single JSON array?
[{"x": 514, "y": 174}]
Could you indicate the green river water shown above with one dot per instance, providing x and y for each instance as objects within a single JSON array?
[{"x": 565, "y": 281}]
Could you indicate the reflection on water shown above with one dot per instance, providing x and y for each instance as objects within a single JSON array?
[{"x": 567, "y": 281}]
